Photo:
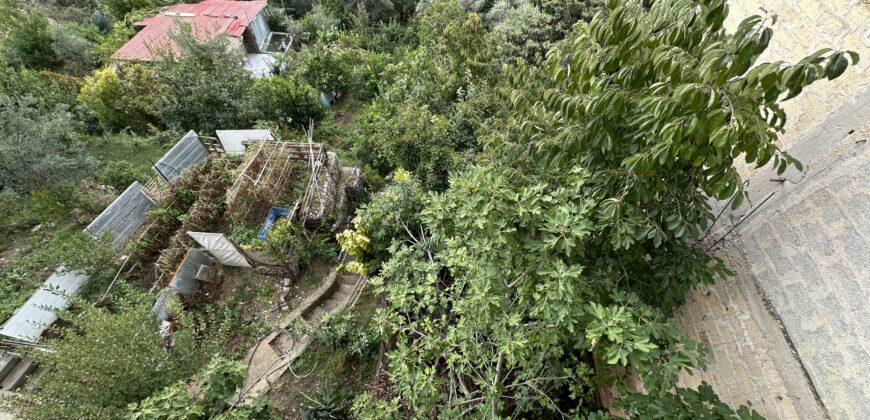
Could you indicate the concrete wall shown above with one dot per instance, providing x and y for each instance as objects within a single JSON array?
[{"x": 790, "y": 333}]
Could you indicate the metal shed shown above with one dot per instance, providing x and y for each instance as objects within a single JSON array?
[
  {"x": 32, "y": 318},
  {"x": 231, "y": 140},
  {"x": 126, "y": 214},
  {"x": 188, "y": 151},
  {"x": 184, "y": 281}
]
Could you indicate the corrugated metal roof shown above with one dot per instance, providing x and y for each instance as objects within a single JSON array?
[
  {"x": 184, "y": 281},
  {"x": 126, "y": 214},
  {"x": 231, "y": 140},
  {"x": 207, "y": 19},
  {"x": 188, "y": 151},
  {"x": 32, "y": 318}
]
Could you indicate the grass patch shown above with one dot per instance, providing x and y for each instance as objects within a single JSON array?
[
  {"x": 338, "y": 129},
  {"x": 138, "y": 151}
]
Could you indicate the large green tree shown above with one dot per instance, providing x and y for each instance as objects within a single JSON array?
[
  {"x": 563, "y": 251},
  {"x": 25, "y": 36},
  {"x": 425, "y": 118},
  {"x": 38, "y": 147},
  {"x": 206, "y": 87}
]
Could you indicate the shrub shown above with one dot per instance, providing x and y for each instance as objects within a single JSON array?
[
  {"x": 285, "y": 100},
  {"x": 119, "y": 175},
  {"x": 117, "y": 9},
  {"x": 221, "y": 379},
  {"x": 105, "y": 362},
  {"x": 108, "y": 43},
  {"x": 37, "y": 148},
  {"x": 383, "y": 219},
  {"x": 343, "y": 331},
  {"x": 407, "y": 136},
  {"x": 27, "y": 38},
  {"x": 123, "y": 98},
  {"x": 319, "y": 21},
  {"x": 328, "y": 66},
  {"x": 205, "y": 88},
  {"x": 298, "y": 8},
  {"x": 45, "y": 89},
  {"x": 72, "y": 51}
]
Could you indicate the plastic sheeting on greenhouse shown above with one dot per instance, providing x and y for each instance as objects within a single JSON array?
[
  {"x": 126, "y": 214},
  {"x": 232, "y": 140},
  {"x": 164, "y": 300},
  {"x": 188, "y": 151},
  {"x": 222, "y": 248},
  {"x": 31, "y": 319}
]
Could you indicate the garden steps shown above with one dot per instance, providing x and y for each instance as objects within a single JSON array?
[
  {"x": 7, "y": 364},
  {"x": 16, "y": 377},
  {"x": 271, "y": 357}
]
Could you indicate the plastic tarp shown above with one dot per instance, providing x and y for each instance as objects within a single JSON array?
[
  {"x": 221, "y": 248},
  {"x": 231, "y": 140},
  {"x": 260, "y": 29},
  {"x": 126, "y": 214},
  {"x": 31, "y": 319},
  {"x": 184, "y": 281},
  {"x": 188, "y": 151},
  {"x": 275, "y": 213}
]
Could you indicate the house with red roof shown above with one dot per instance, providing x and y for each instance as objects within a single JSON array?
[{"x": 244, "y": 23}]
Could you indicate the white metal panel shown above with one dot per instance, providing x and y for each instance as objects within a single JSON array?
[
  {"x": 221, "y": 247},
  {"x": 231, "y": 140}
]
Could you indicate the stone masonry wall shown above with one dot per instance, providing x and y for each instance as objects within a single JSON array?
[
  {"x": 803, "y": 27},
  {"x": 750, "y": 361},
  {"x": 790, "y": 334}
]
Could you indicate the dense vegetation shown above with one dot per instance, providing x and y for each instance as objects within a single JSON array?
[{"x": 539, "y": 174}]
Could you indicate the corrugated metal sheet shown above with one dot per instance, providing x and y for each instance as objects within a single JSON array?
[
  {"x": 231, "y": 140},
  {"x": 188, "y": 151},
  {"x": 206, "y": 18},
  {"x": 184, "y": 281},
  {"x": 126, "y": 214},
  {"x": 32, "y": 318},
  {"x": 121, "y": 219}
]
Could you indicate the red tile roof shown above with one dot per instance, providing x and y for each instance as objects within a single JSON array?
[{"x": 207, "y": 19}]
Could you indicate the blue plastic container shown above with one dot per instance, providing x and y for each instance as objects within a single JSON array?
[{"x": 275, "y": 213}]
